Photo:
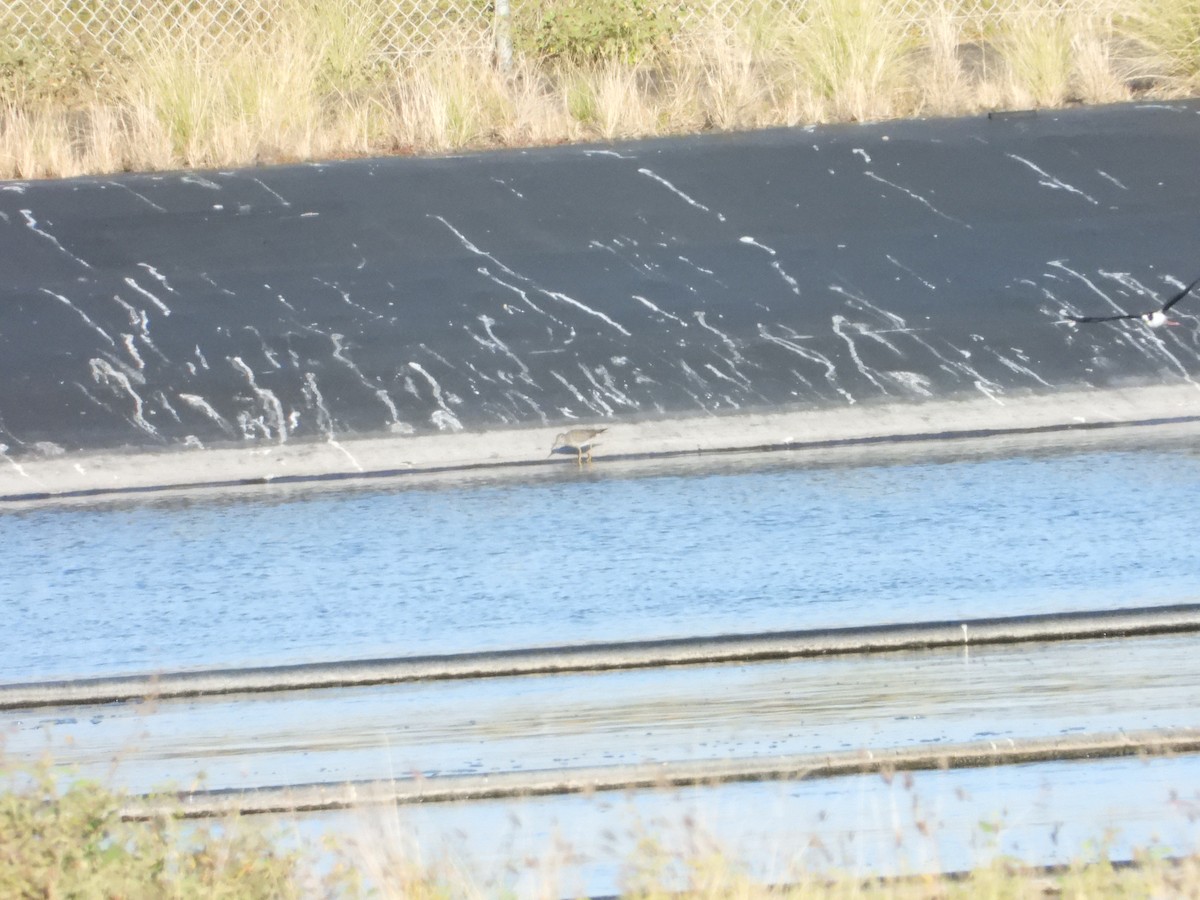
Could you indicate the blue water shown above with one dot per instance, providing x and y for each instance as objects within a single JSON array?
[{"x": 571, "y": 557}]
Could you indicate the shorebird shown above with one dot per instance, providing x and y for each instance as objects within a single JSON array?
[
  {"x": 1154, "y": 318},
  {"x": 579, "y": 440}
]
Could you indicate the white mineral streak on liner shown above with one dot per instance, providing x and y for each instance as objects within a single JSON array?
[
  {"x": 104, "y": 373},
  {"x": 513, "y": 190},
  {"x": 609, "y": 386},
  {"x": 345, "y": 295},
  {"x": 933, "y": 209},
  {"x": 166, "y": 311},
  {"x": 670, "y": 187},
  {"x": 1052, "y": 182},
  {"x": 726, "y": 339},
  {"x": 270, "y": 355},
  {"x": 12, "y": 462},
  {"x": 33, "y": 226},
  {"x": 524, "y": 295},
  {"x": 957, "y": 368},
  {"x": 127, "y": 340},
  {"x": 1061, "y": 264},
  {"x": 693, "y": 375},
  {"x": 597, "y": 392},
  {"x": 443, "y": 418},
  {"x": 719, "y": 374},
  {"x": 324, "y": 418},
  {"x": 1013, "y": 366},
  {"x": 142, "y": 197},
  {"x": 270, "y": 191},
  {"x": 226, "y": 291},
  {"x": 579, "y": 396},
  {"x": 913, "y": 381},
  {"x": 775, "y": 264},
  {"x": 158, "y": 276},
  {"x": 607, "y": 153},
  {"x": 193, "y": 178},
  {"x": 863, "y": 153},
  {"x": 747, "y": 239},
  {"x": 563, "y": 298},
  {"x": 1108, "y": 177},
  {"x": 788, "y": 279},
  {"x": 198, "y": 403},
  {"x": 839, "y": 324},
  {"x": 466, "y": 242},
  {"x": 384, "y": 397},
  {"x": 79, "y": 312},
  {"x": 497, "y": 345},
  {"x": 270, "y": 403},
  {"x": 554, "y": 295},
  {"x": 14, "y": 188},
  {"x": 699, "y": 268},
  {"x": 662, "y": 312},
  {"x": 898, "y": 264},
  {"x": 810, "y": 355}
]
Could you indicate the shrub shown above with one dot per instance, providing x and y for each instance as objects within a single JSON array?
[
  {"x": 73, "y": 843},
  {"x": 591, "y": 31}
]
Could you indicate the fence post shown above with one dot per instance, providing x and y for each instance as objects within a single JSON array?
[{"x": 503, "y": 15}]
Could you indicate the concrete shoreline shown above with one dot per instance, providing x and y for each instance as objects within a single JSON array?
[
  {"x": 611, "y": 656},
  {"x": 512, "y": 451},
  {"x": 500, "y": 785}
]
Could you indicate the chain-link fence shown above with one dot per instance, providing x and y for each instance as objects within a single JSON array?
[{"x": 399, "y": 27}]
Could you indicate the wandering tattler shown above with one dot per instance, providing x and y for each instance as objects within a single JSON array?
[{"x": 579, "y": 440}]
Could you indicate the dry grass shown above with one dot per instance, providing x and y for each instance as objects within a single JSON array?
[
  {"x": 68, "y": 839},
  {"x": 315, "y": 84}
]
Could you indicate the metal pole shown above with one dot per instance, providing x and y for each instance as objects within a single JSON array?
[{"x": 503, "y": 36}]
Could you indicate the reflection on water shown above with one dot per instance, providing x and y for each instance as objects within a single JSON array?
[{"x": 568, "y": 557}]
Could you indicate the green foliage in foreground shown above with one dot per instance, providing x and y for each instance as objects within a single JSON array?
[
  {"x": 592, "y": 31},
  {"x": 71, "y": 842}
]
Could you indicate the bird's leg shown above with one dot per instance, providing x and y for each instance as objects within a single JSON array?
[{"x": 579, "y": 457}]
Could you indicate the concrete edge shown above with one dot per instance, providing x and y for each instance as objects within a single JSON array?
[
  {"x": 1047, "y": 627},
  {"x": 99, "y": 475},
  {"x": 512, "y": 785}
]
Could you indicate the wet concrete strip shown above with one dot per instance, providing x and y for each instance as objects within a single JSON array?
[
  {"x": 600, "y": 657},
  {"x": 107, "y": 474},
  {"x": 314, "y": 797},
  {"x": 921, "y": 699}
]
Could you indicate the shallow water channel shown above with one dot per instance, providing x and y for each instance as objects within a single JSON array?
[
  {"x": 621, "y": 552},
  {"x": 612, "y": 552}
]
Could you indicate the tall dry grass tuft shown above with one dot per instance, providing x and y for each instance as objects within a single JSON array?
[
  {"x": 939, "y": 70},
  {"x": 1036, "y": 44},
  {"x": 447, "y": 100},
  {"x": 1100, "y": 75},
  {"x": 1168, "y": 32},
  {"x": 855, "y": 55},
  {"x": 318, "y": 78},
  {"x": 722, "y": 78}
]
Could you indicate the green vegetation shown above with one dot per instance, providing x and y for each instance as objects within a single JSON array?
[
  {"x": 193, "y": 86},
  {"x": 586, "y": 31},
  {"x": 70, "y": 841}
]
